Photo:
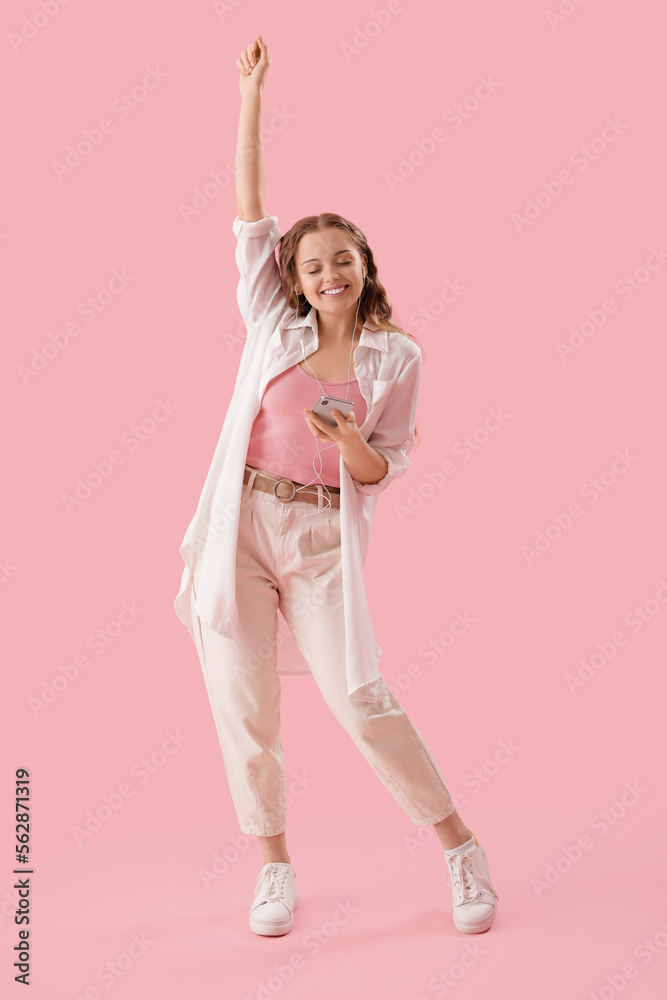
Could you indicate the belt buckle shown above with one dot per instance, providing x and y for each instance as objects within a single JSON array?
[{"x": 284, "y": 499}]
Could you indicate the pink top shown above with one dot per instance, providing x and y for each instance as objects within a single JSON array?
[{"x": 282, "y": 443}]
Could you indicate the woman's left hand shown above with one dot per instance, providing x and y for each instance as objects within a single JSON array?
[{"x": 344, "y": 431}]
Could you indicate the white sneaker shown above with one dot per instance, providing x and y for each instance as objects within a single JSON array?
[
  {"x": 474, "y": 900},
  {"x": 276, "y": 898}
]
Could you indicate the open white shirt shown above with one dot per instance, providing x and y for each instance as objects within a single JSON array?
[{"x": 387, "y": 365}]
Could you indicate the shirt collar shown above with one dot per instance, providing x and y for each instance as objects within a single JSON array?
[{"x": 371, "y": 335}]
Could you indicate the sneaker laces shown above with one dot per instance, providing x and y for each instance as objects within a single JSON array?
[
  {"x": 270, "y": 883},
  {"x": 468, "y": 882}
]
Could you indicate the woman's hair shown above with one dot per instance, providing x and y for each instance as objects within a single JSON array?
[{"x": 374, "y": 306}]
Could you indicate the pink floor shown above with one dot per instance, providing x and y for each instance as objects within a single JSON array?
[{"x": 155, "y": 902}]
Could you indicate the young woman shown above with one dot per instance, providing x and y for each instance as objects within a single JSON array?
[{"x": 283, "y": 525}]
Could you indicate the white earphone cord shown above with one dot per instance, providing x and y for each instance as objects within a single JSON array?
[
  {"x": 317, "y": 440},
  {"x": 318, "y": 475}
]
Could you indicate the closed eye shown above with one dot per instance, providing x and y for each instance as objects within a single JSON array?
[{"x": 343, "y": 263}]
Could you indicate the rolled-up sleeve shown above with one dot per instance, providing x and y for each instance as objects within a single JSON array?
[
  {"x": 259, "y": 294},
  {"x": 394, "y": 434}
]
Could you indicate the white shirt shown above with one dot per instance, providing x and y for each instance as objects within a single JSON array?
[{"x": 387, "y": 365}]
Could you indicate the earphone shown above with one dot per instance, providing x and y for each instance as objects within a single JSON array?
[{"x": 318, "y": 475}]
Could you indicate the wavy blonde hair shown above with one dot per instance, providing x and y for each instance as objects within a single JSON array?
[{"x": 374, "y": 306}]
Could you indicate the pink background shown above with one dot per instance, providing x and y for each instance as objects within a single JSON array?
[{"x": 174, "y": 334}]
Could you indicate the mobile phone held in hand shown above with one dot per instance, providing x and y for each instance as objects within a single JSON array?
[{"x": 326, "y": 404}]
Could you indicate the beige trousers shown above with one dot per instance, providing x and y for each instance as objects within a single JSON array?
[{"x": 283, "y": 558}]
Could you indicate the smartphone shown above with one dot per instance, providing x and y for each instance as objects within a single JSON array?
[{"x": 326, "y": 404}]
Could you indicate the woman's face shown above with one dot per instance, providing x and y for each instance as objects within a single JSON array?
[{"x": 329, "y": 260}]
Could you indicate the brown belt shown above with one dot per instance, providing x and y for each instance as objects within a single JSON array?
[{"x": 286, "y": 489}]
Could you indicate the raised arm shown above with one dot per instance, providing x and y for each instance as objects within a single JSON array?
[{"x": 253, "y": 64}]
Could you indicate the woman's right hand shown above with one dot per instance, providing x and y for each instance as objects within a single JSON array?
[{"x": 254, "y": 65}]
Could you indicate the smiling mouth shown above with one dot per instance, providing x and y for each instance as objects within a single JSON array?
[{"x": 333, "y": 292}]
